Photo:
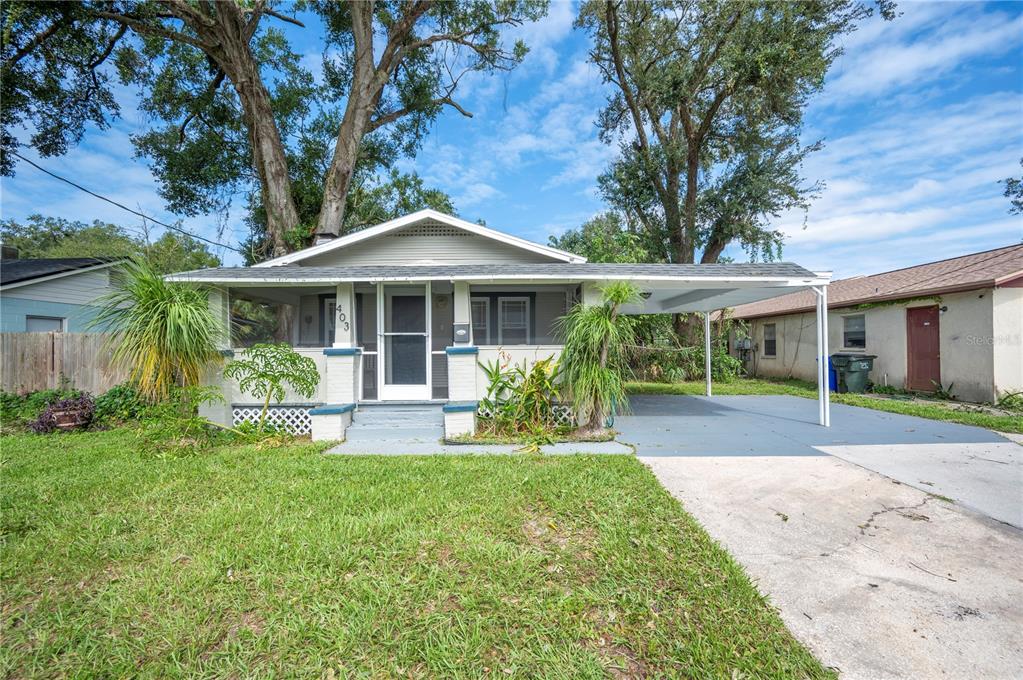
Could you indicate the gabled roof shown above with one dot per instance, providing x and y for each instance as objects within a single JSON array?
[
  {"x": 988, "y": 269},
  {"x": 421, "y": 216},
  {"x": 29, "y": 270}
]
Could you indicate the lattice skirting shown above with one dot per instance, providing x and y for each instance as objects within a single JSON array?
[
  {"x": 563, "y": 414},
  {"x": 295, "y": 419}
]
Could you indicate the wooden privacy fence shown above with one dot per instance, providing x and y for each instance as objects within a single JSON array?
[{"x": 39, "y": 361}]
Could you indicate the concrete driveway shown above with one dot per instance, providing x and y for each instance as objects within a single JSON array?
[
  {"x": 977, "y": 468},
  {"x": 879, "y": 579}
]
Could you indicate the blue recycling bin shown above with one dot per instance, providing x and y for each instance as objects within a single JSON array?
[{"x": 832, "y": 376}]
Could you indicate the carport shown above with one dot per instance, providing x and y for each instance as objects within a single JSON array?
[{"x": 712, "y": 288}]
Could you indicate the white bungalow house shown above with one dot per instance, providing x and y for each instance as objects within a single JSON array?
[{"x": 407, "y": 310}]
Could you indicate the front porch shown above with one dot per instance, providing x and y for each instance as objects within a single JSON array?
[
  {"x": 400, "y": 342},
  {"x": 420, "y": 333}
]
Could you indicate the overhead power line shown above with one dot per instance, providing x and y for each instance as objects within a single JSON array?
[{"x": 124, "y": 207}]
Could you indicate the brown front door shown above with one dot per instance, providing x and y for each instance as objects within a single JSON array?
[{"x": 923, "y": 340}]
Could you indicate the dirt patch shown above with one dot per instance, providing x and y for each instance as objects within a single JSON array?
[
  {"x": 618, "y": 659},
  {"x": 253, "y": 622},
  {"x": 545, "y": 532}
]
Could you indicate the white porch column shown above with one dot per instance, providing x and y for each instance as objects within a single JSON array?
[
  {"x": 706, "y": 349},
  {"x": 219, "y": 301},
  {"x": 460, "y": 411},
  {"x": 591, "y": 294},
  {"x": 344, "y": 316},
  {"x": 342, "y": 358}
]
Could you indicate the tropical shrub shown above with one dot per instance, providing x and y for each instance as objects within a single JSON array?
[
  {"x": 76, "y": 412},
  {"x": 267, "y": 368},
  {"x": 163, "y": 333},
  {"x": 121, "y": 403},
  {"x": 595, "y": 359},
  {"x": 520, "y": 400}
]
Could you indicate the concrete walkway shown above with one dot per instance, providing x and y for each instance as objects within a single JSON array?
[
  {"x": 418, "y": 447},
  {"x": 879, "y": 579}
]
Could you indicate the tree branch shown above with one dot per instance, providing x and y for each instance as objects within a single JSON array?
[
  {"x": 37, "y": 40},
  {"x": 121, "y": 30},
  {"x": 210, "y": 90},
  {"x": 283, "y": 17},
  {"x": 140, "y": 26}
]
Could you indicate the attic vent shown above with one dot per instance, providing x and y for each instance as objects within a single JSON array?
[{"x": 431, "y": 230}]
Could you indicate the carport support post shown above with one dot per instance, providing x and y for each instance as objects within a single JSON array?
[
  {"x": 706, "y": 349},
  {"x": 823, "y": 394},
  {"x": 824, "y": 354}
]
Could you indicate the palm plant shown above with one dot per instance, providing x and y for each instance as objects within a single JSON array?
[
  {"x": 163, "y": 333},
  {"x": 594, "y": 363}
]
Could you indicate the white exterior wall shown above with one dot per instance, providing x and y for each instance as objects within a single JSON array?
[
  {"x": 514, "y": 355},
  {"x": 235, "y": 396},
  {"x": 394, "y": 249},
  {"x": 1007, "y": 340},
  {"x": 462, "y": 384},
  {"x": 966, "y": 335}
]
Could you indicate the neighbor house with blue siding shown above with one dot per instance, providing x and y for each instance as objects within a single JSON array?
[{"x": 52, "y": 295}]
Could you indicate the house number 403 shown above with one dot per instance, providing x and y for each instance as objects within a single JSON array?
[{"x": 342, "y": 319}]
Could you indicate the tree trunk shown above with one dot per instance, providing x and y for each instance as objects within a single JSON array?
[
  {"x": 367, "y": 87},
  {"x": 689, "y": 207},
  {"x": 268, "y": 156},
  {"x": 342, "y": 168}
]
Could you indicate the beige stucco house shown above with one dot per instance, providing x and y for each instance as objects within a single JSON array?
[
  {"x": 957, "y": 323},
  {"x": 405, "y": 312}
]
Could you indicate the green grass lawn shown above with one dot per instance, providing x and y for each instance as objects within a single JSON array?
[
  {"x": 243, "y": 562},
  {"x": 953, "y": 412}
]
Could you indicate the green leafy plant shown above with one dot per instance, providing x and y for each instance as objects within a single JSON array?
[
  {"x": 18, "y": 411},
  {"x": 121, "y": 403},
  {"x": 942, "y": 392},
  {"x": 267, "y": 368},
  {"x": 518, "y": 399},
  {"x": 164, "y": 333},
  {"x": 595, "y": 358},
  {"x": 176, "y": 426},
  {"x": 1011, "y": 401}
]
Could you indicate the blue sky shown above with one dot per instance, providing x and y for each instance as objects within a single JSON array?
[{"x": 920, "y": 118}]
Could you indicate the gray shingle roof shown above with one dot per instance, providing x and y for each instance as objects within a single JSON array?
[
  {"x": 16, "y": 271},
  {"x": 581, "y": 271}
]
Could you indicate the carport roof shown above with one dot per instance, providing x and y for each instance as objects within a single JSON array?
[{"x": 666, "y": 287}]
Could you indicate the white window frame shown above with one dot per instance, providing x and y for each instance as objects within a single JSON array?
[
  {"x": 486, "y": 319},
  {"x": 500, "y": 316},
  {"x": 846, "y": 345},
  {"x": 61, "y": 319},
  {"x": 764, "y": 354}
]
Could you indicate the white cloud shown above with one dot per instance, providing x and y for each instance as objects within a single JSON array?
[{"x": 926, "y": 42}]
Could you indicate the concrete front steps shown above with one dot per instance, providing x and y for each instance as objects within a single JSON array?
[{"x": 392, "y": 423}]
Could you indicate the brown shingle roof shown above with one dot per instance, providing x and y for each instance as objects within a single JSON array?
[{"x": 979, "y": 270}]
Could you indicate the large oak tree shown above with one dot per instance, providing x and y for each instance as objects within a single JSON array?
[{"x": 707, "y": 105}]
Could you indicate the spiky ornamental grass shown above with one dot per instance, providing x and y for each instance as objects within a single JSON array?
[
  {"x": 594, "y": 363},
  {"x": 163, "y": 333}
]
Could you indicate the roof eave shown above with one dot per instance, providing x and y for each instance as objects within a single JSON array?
[
  {"x": 891, "y": 297},
  {"x": 57, "y": 275}
]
